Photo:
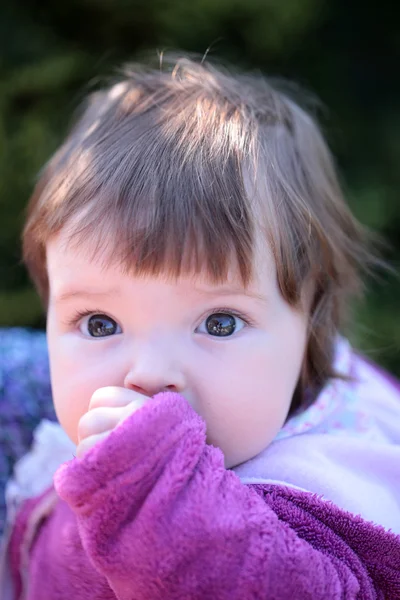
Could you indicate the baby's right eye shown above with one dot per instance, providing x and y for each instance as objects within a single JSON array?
[{"x": 99, "y": 325}]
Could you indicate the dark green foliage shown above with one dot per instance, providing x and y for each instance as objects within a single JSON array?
[{"x": 347, "y": 53}]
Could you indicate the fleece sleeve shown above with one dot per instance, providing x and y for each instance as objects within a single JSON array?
[{"x": 160, "y": 517}]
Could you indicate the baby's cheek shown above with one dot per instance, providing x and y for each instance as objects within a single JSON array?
[
  {"x": 71, "y": 403},
  {"x": 253, "y": 408},
  {"x": 77, "y": 371},
  {"x": 72, "y": 390}
]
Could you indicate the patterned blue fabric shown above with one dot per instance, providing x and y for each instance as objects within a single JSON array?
[{"x": 25, "y": 397}]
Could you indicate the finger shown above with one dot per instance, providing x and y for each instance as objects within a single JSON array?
[
  {"x": 114, "y": 396},
  {"x": 129, "y": 409},
  {"x": 98, "y": 420},
  {"x": 89, "y": 442}
]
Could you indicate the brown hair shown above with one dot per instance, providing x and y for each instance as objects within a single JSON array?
[{"x": 178, "y": 168}]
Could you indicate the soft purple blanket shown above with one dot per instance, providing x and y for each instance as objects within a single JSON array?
[{"x": 151, "y": 513}]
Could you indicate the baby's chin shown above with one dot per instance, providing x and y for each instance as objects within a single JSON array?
[{"x": 235, "y": 459}]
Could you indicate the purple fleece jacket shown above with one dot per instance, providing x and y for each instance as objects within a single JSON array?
[{"x": 151, "y": 513}]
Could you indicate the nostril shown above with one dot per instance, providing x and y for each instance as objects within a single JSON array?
[
  {"x": 150, "y": 392},
  {"x": 140, "y": 390},
  {"x": 170, "y": 388}
]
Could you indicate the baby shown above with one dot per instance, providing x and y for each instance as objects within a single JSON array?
[{"x": 196, "y": 259}]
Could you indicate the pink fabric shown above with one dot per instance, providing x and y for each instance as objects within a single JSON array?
[{"x": 151, "y": 513}]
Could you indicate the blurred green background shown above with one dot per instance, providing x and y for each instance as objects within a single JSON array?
[{"x": 347, "y": 53}]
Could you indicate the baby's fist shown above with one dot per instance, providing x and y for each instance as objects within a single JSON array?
[{"x": 108, "y": 407}]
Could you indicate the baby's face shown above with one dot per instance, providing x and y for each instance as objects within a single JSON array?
[{"x": 234, "y": 354}]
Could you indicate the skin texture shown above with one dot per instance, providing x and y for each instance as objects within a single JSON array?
[{"x": 242, "y": 384}]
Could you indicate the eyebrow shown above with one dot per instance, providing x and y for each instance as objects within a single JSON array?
[
  {"x": 224, "y": 291},
  {"x": 73, "y": 294},
  {"x": 233, "y": 291}
]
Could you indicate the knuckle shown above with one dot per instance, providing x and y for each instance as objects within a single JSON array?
[
  {"x": 129, "y": 409},
  {"x": 89, "y": 442},
  {"x": 83, "y": 426},
  {"x": 97, "y": 421},
  {"x": 108, "y": 397},
  {"x": 101, "y": 397}
]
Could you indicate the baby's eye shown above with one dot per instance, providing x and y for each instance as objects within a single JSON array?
[
  {"x": 221, "y": 324},
  {"x": 100, "y": 326}
]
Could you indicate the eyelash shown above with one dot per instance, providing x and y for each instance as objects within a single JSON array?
[{"x": 80, "y": 314}]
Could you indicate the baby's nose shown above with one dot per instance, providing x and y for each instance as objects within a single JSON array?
[{"x": 154, "y": 371}]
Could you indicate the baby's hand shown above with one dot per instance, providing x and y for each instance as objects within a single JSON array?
[{"x": 108, "y": 407}]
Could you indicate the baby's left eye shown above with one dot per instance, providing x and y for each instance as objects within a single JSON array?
[{"x": 221, "y": 324}]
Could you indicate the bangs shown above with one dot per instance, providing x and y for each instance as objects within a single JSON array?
[
  {"x": 160, "y": 199},
  {"x": 166, "y": 229}
]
